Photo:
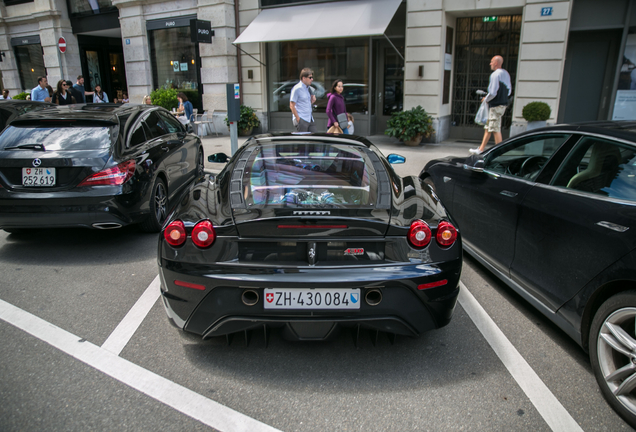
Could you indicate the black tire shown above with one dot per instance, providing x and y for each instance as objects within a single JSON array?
[
  {"x": 612, "y": 348},
  {"x": 158, "y": 208},
  {"x": 200, "y": 163}
]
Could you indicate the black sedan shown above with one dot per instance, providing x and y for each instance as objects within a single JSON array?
[
  {"x": 552, "y": 213},
  {"x": 309, "y": 233},
  {"x": 97, "y": 166}
]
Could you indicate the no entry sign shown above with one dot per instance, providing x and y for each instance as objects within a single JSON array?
[{"x": 61, "y": 43}]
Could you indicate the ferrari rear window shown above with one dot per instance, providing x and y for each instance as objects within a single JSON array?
[
  {"x": 309, "y": 174},
  {"x": 57, "y": 138}
]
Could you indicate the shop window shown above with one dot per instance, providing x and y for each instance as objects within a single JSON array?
[
  {"x": 174, "y": 64},
  {"x": 90, "y": 7},
  {"x": 343, "y": 59},
  {"x": 30, "y": 61}
]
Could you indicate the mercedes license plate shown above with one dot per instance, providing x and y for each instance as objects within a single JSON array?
[
  {"x": 304, "y": 298},
  {"x": 38, "y": 177}
]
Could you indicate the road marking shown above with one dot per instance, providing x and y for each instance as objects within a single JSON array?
[
  {"x": 186, "y": 401},
  {"x": 555, "y": 415},
  {"x": 125, "y": 330}
]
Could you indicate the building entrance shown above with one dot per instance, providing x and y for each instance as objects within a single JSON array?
[
  {"x": 389, "y": 80},
  {"x": 102, "y": 61},
  {"x": 479, "y": 39}
]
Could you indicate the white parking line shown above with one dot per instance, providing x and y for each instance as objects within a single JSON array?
[
  {"x": 165, "y": 391},
  {"x": 555, "y": 415},
  {"x": 125, "y": 330}
]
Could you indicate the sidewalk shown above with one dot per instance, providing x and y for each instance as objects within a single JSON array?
[{"x": 416, "y": 157}]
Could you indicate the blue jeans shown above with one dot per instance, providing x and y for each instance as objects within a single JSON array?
[{"x": 345, "y": 131}]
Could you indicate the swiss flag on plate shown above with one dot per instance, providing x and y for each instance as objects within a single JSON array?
[{"x": 269, "y": 297}]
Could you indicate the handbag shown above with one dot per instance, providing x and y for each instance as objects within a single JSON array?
[
  {"x": 481, "y": 118},
  {"x": 342, "y": 118},
  {"x": 334, "y": 129}
]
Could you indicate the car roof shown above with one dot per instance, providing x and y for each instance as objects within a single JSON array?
[
  {"x": 276, "y": 138},
  {"x": 104, "y": 112},
  {"x": 623, "y": 129}
]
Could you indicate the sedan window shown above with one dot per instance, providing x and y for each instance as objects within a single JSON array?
[
  {"x": 57, "y": 138},
  {"x": 155, "y": 125},
  {"x": 173, "y": 125},
  {"x": 526, "y": 157},
  {"x": 600, "y": 167}
]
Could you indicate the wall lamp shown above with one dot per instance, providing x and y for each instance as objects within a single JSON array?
[
  {"x": 250, "y": 74},
  {"x": 420, "y": 71},
  {"x": 2, "y": 54}
]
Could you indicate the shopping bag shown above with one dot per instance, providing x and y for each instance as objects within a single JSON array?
[
  {"x": 334, "y": 129},
  {"x": 482, "y": 114}
]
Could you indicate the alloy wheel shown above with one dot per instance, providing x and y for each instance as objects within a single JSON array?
[
  {"x": 616, "y": 349},
  {"x": 161, "y": 201}
]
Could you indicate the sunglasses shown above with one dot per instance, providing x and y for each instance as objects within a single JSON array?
[{"x": 311, "y": 77}]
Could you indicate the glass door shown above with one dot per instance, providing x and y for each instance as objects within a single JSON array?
[{"x": 389, "y": 88}]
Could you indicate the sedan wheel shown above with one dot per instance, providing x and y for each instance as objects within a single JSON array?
[
  {"x": 200, "y": 163},
  {"x": 158, "y": 208},
  {"x": 613, "y": 353}
]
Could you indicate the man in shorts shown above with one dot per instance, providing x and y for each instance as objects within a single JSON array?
[{"x": 499, "y": 90}]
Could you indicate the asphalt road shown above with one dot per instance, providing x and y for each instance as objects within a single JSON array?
[{"x": 64, "y": 293}]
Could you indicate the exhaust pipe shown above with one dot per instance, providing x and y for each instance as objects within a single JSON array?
[
  {"x": 373, "y": 297},
  {"x": 106, "y": 225},
  {"x": 249, "y": 297}
]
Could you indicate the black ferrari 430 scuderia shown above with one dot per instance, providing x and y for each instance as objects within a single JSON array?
[{"x": 309, "y": 233}]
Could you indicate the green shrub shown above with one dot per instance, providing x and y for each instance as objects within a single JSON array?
[
  {"x": 166, "y": 98},
  {"x": 536, "y": 111},
  {"x": 21, "y": 96},
  {"x": 406, "y": 125},
  {"x": 248, "y": 119}
]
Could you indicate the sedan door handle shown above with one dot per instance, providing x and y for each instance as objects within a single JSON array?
[
  {"x": 165, "y": 148},
  {"x": 612, "y": 226},
  {"x": 508, "y": 193}
]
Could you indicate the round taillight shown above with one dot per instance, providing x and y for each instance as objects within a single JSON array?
[
  {"x": 203, "y": 234},
  {"x": 446, "y": 234},
  {"x": 175, "y": 233},
  {"x": 419, "y": 234}
]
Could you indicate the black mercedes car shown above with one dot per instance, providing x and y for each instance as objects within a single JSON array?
[
  {"x": 309, "y": 233},
  {"x": 96, "y": 166},
  {"x": 552, "y": 213}
]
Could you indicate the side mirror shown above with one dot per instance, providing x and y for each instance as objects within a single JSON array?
[
  {"x": 395, "y": 159},
  {"x": 218, "y": 158},
  {"x": 477, "y": 166}
]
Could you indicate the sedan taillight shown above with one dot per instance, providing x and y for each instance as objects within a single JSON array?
[
  {"x": 446, "y": 234},
  {"x": 203, "y": 234},
  {"x": 114, "y": 176},
  {"x": 175, "y": 233},
  {"x": 419, "y": 235}
]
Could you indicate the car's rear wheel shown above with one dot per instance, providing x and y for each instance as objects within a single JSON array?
[
  {"x": 158, "y": 208},
  {"x": 200, "y": 163},
  {"x": 613, "y": 353}
]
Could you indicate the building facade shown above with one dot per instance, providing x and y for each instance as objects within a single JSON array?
[{"x": 575, "y": 55}]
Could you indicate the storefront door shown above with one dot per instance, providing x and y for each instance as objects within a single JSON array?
[
  {"x": 389, "y": 82},
  {"x": 103, "y": 64}
]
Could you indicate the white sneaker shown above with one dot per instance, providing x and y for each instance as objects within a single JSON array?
[{"x": 475, "y": 151}]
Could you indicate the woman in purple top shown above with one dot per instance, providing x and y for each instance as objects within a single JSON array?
[{"x": 336, "y": 105}]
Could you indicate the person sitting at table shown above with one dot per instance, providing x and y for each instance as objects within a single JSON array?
[
  {"x": 185, "y": 108},
  {"x": 146, "y": 100}
]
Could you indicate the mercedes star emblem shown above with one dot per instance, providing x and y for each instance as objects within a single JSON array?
[{"x": 37, "y": 162}]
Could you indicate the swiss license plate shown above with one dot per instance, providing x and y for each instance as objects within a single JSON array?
[
  {"x": 39, "y": 177},
  {"x": 304, "y": 298}
]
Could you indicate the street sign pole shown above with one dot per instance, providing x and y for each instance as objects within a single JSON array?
[{"x": 233, "y": 93}]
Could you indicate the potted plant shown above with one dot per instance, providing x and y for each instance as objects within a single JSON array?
[
  {"x": 410, "y": 126},
  {"x": 247, "y": 122},
  {"x": 166, "y": 98},
  {"x": 536, "y": 113},
  {"x": 21, "y": 96}
]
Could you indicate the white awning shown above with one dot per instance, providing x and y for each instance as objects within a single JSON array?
[{"x": 321, "y": 21}]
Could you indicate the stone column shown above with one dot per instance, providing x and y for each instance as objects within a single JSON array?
[{"x": 137, "y": 52}]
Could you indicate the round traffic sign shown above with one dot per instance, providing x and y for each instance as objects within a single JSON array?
[{"x": 61, "y": 43}]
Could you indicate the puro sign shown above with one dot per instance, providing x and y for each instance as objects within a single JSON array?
[{"x": 201, "y": 31}]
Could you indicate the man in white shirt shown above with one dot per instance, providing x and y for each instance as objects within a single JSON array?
[
  {"x": 300, "y": 103},
  {"x": 499, "y": 90}
]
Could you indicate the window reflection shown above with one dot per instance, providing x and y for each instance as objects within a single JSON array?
[
  {"x": 30, "y": 64},
  {"x": 58, "y": 138},
  {"x": 85, "y": 7},
  {"x": 330, "y": 59}
]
